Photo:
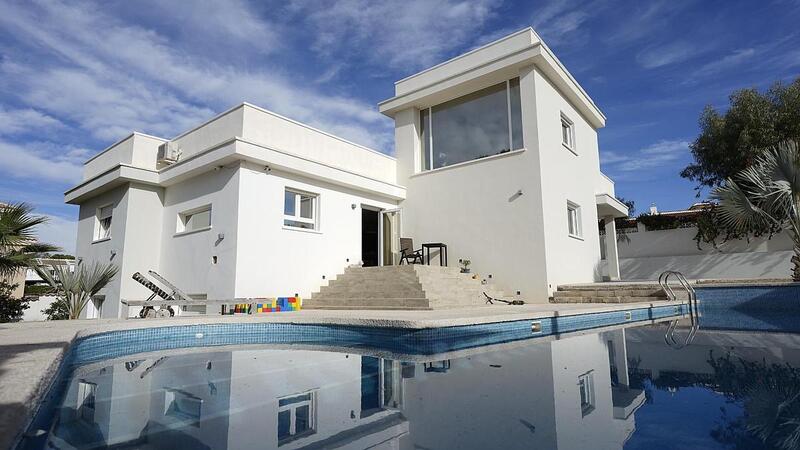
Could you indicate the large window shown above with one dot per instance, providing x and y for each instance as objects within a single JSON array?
[
  {"x": 484, "y": 123},
  {"x": 300, "y": 210},
  {"x": 102, "y": 229},
  {"x": 297, "y": 416}
]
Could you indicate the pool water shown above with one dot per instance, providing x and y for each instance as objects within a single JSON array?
[{"x": 619, "y": 388}]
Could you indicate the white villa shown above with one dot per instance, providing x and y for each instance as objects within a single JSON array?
[{"x": 496, "y": 157}]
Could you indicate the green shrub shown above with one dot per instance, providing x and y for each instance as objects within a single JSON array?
[
  {"x": 58, "y": 310},
  {"x": 11, "y": 309}
]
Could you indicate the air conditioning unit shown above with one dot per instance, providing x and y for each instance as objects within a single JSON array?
[{"x": 168, "y": 153}]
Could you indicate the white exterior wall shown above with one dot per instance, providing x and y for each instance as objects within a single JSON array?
[
  {"x": 187, "y": 258},
  {"x": 566, "y": 176},
  {"x": 280, "y": 133},
  {"x": 522, "y": 241},
  {"x": 138, "y": 150},
  {"x": 281, "y": 261},
  {"x": 246, "y": 200},
  {"x": 135, "y": 238},
  {"x": 90, "y": 251},
  {"x": 649, "y": 253},
  {"x": 219, "y": 129}
]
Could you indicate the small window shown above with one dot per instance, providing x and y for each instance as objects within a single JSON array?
[
  {"x": 586, "y": 389},
  {"x": 195, "y": 220},
  {"x": 103, "y": 223},
  {"x": 296, "y": 416},
  {"x": 574, "y": 220},
  {"x": 183, "y": 406},
  {"x": 300, "y": 210},
  {"x": 94, "y": 308},
  {"x": 567, "y": 133}
]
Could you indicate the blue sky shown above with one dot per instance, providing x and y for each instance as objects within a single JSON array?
[{"x": 76, "y": 77}]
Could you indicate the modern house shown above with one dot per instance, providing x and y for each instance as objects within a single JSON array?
[{"x": 496, "y": 157}]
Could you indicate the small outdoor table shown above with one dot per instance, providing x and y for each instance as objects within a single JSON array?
[{"x": 442, "y": 252}]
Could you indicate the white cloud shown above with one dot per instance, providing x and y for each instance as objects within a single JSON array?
[
  {"x": 651, "y": 157},
  {"x": 14, "y": 121},
  {"x": 60, "y": 232},
  {"x": 406, "y": 34},
  {"x": 35, "y": 164},
  {"x": 727, "y": 62},
  {"x": 111, "y": 77},
  {"x": 611, "y": 157},
  {"x": 643, "y": 20},
  {"x": 674, "y": 52}
]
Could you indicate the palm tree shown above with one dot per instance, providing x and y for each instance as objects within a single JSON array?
[
  {"x": 76, "y": 287},
  {"x": 18, "y": 245},
  {"x": 765, "y": 194}
]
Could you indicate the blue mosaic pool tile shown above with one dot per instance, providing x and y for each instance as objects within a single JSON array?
[
  {"x": 752, "y": 308},
  {"x": 413, "y": 341}
]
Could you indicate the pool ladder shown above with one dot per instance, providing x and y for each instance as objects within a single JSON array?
[{"x": 669, "y": 337}]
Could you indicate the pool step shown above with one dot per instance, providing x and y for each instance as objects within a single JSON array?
[
  {"x": 610, "y": 293},
  {"x": 415, "y": 286}
]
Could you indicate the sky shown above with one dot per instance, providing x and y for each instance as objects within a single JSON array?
[{"x": 77, "y": 76}]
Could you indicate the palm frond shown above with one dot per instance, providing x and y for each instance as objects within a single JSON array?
[
  {"x": 17, "y": 224},
  {"x": 736, "y": 211},
  {"x": 19, "y": 248},
  {"x": 77, "y": 286}
]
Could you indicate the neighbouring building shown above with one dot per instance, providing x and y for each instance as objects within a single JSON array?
[
  {"x": 668, "y": 242},
  {"x": 496, "y": 156}
]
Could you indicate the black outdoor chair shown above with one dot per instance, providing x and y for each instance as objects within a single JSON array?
[{"x": 407, "y": 252}]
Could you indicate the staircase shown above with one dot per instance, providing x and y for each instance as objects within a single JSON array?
[
  {"x": 609, "y": 293},
  {"x": 409, "y": 287}
]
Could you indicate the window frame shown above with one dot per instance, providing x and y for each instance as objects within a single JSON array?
[
  {"x": 172, "y": 406},
  {"x": 86, "y": 398},
  {"x": 102, "y": 233},
  {"x": 575, "y": 208},
  {"x": 297, "y": 217},
  {"x": 567, "y": 123},
  {"x": 185, "y": 216},
  {"x": 586, "y": 384},
  {"x": 426, "y": 150},
  {"x": 292, "y": 408}
]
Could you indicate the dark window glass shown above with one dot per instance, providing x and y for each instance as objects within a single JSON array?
[
  {"x": 516, "y": 115},
  {"x": 471, "y": 127},
  {"x": 284, "y": 424},
  {"x": 289, "y": 203},
  {"x": 425, "y": 139}
]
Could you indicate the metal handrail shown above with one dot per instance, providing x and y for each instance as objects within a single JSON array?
[{"x": 669, "y": 337}]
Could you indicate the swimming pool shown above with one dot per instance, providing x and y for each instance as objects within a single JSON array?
[{"x": 618, "y": 386}]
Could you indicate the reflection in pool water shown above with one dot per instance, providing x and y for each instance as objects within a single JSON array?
[{"x": 608, "y": 390}]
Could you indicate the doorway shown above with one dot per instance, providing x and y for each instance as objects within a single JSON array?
[{"x": 370, "y": 237}]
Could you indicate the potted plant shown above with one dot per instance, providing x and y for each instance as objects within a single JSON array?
[{"x": 465, "y": 265}]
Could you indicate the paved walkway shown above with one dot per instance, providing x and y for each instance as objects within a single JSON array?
[{"x": 31, "y": 352}]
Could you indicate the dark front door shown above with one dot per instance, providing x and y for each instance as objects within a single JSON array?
[{"x": 369, "y": 237}]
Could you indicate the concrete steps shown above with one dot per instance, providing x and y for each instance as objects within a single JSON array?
[
  {"x": 610, "y": 293},
  {"x": 404, "y": 287}
]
